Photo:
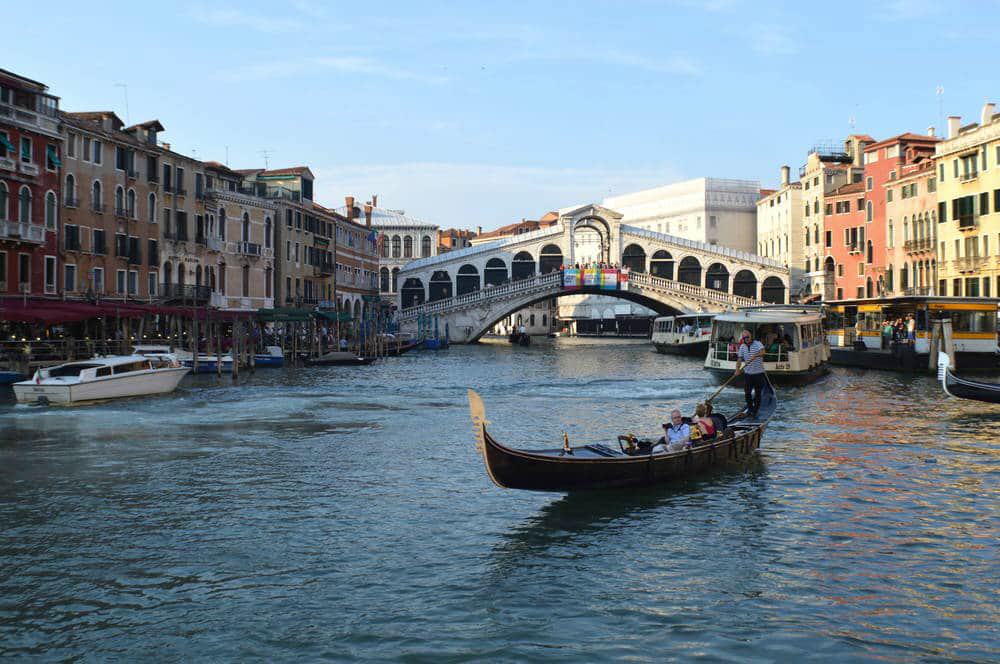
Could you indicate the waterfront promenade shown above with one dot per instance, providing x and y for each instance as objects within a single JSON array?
[{"x": 344, "y": 514}]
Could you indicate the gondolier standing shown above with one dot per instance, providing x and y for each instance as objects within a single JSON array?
[{"x": 750, "y": 362}]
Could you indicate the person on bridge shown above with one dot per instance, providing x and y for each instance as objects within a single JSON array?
[{"x": 750, "y": 362}]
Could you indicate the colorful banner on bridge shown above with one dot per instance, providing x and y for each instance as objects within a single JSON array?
[
  {"x": 591, "y": 277},
  {"x": 609, "y": 279},
  {"x": 623, "y": 279},
  {"x": 571, "y": 279}
]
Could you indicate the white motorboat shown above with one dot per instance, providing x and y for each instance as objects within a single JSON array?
[
  {"x": 683, "y": 335},
  {"x": 101, "y": 378}
]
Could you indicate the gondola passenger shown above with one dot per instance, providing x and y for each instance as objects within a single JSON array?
[
  {"x": 702, "y": 419},
  {"x": 676, "y": 434}
]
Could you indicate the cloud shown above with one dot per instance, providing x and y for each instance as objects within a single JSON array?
[
  {"x": 347, "y": 64},
  {"x": 467, "y": 195},
  {"x": 239, "y": 18}
]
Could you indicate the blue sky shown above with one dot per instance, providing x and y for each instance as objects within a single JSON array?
[{"x": 470, "y": 115}]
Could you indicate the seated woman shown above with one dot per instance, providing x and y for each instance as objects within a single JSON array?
[{"x": 703, "y": 420}]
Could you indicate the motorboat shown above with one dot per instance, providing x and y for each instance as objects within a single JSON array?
[
  {"x": 273, "y": 356},
  {"x": 101, "y": 378},
  {"x": 339, "y": 359},
  {"x": 600, "y": 465},
  {"x": 796, "y": 348},
  {"x": 683, "y": 335},
  {"x": 206, "y": 363},
  {"x": 10, "y": 377}
]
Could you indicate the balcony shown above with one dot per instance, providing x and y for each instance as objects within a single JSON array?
[
  {"x": 97, "y": 207},
  {"x": 267, "y": 252},
  {"x": 177, "y": 235},
  {"x": 914, "y": 246},
  {"x": 853, "y": 248},
  {"x": 30, "y": 119},
  {"x": 185, "y": 294},
  {"x": 135, "y": 259},
  {"x": 217, "y": 300},
  {"x": 167, "y": 187},
  {"x": 214, "y": 244},
  {"x": 71, "y": 201},
  {"x": 121, "y": 212},
  {"x": 132, "y": 174},
  {"x": 969, "y": 263},
  {"x": 917, "y": 290},
  {"x": 251, "y": 249},
  {"x": 967, "y": 223},
  {"x": 12, "y": 230},
  {"x": 153, "y": 179},
  {"x": 969, "y": 176},
  {"x": 29, "y": 169},
  {"x": 180, "y": 191},
  {"x": 7, "y": 164},
  {"x": 324, "y": 269}
]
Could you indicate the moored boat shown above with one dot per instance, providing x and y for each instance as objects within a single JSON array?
[
  {"x": 683, "y": 335},
  {"x": 963, "y": 388},
  {"x": 339, "y": 359},
  {"x": 10, "y": 377},
  {"x": 101, "y": 378},
  {"x": 272, "y": 356},
  {"x": 796, "y": 350},
  {"x": 607, "y": 466}
]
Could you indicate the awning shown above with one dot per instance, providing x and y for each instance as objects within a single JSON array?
[
  {"x": 342, "y": 317},
  {"x": 285, "y": 315},
  {"x": 53, "y": 157},
  {"x": 5, "y": 142}
]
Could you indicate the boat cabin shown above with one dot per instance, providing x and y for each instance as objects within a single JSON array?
[{"x": 699, "y": 324}]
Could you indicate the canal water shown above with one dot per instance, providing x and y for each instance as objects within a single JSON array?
[{"x": 343, "y": 514}]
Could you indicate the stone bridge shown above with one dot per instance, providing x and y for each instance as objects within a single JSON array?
[{"x": 472, "y": 289}]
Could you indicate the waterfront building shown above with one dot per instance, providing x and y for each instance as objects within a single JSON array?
[
  {"x": 517, "y": 228},
  {"x": 30, "y": 186},
  {"x": 110, "y": 207},
  {"x": 456, "y": 238},
  {"x": 709, "y": 210},
  {"x": 884, "y": 161},
  {"x": 242, "y": 221},
  {"x": 779, "y": 220},
  {"x": 843, "y": 239},
  {"x": 968, "y": 193},
  {"x": 357, "y": 256},
  {"x": 828, "y": 167},
  {"x": 401, "y": 239},
  {"x": 911, "y": 229}
]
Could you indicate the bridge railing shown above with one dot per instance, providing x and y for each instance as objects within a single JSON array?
[
  {"x": 422, "y": 263},
  {"x": 535, "y": 282},
  {"x": 690, "y": 290},
  {"x": 704, "y": 246}
]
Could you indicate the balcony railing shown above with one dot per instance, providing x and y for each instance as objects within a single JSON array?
[
  {"x": 969, "y": 263},
  {"x": 177, "y": 235},
  {"x": 23, "y": 232},
  {"x": 923, "y": 244},
  {"x": 28, "y": 169},
  {"x": 967, "y": 177},
  {"x": 30, "y": 118},
  {"x": 917, "y": 290},
  {"x": 185, "y": 293},
  {"x": 324, "y": 269},
  {"x": 121, "y": 212},
  {"x": 214, "y": 244},
  {"x": 132, "y": 174},
  {"x": 248, "y": 249},
  {"x": 180, "y": 191},
  {"x": 967, "y": 222},
  {"x": 153, "y": 179},
  {"x": 7, "y": 164},
  {"x": 97, "y": 207}
]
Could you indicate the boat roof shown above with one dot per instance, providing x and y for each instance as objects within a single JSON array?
[
  {"x": 771, "y": 315},
  {"x": 683, "y": 316},
  {"x": 107, "y": 361}
]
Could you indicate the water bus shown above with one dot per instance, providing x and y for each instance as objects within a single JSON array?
[
  {"x": 858, "y": 336},
  {"x": 683, "y": 335},
  {"x": 101, "y": 378},
  {"x": 796, "y": 349}
]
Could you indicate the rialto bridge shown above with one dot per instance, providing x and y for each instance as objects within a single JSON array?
[{"x": 471, "y": 289}]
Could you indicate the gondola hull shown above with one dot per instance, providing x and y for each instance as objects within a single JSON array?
[
  {"x": 599, "y": 466},
  {"x": 690, "y": 349},
  {"x": 964, "y": 388}
]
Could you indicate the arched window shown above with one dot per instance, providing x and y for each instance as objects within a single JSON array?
[
  {"x": 119, "y": 201},
  {"x": 222, "y": 230},
  {"x": 407, "y": 247},
  {"x": 151, "y": 216},
  {"x": 384, "y": 280},
  {"x": 69, "y": 192},
  {"x": 868, "y": 211},
  {"x": 397, "y": 246},
  {"x": 267, "y": 232},
  {"x": 906, "y": 229},
  {"x": 425, "y": 246},
  {"x": 245, "y": 231},
  {"x": 385, "y": 245},
  {"x": 3, "y": 200},
  {"x": 130, "y": 203},
  {"x": 96, "y": 197},
  {"x": 50, "y": 209},
  {"x": 24, "y": 206}
]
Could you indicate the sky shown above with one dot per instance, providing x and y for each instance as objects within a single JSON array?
[{"x": 466, "y": 114}]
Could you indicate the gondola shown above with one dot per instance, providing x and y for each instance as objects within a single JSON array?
[
  {"x": 609, "y": 466},
  {"x": 400, "y": 348},
  {"x": 339, "y": 359},
  {"x": 519, "y": 338},
  {"x": 963, "y": 388}
]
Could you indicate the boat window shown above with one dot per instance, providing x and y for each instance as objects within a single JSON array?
[
  {"x": 834, "y": 320},
  {"x": 71, "y": 369},
  {"x": 131, "y": 366},
  {"x": 974, "y": 321},
  {"x": 104, "y": 371}
]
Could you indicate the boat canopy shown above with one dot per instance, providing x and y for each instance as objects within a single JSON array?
[{"x": 798, "y": 316}]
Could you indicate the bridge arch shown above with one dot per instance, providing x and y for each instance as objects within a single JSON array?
[
  {"x": 717, "y": 277},
  {"x": 634, "y": 258},
  {"x": 412, "y": 292},
  {"x": 600, "y": 226},
  {"x": 467, "y": 280},
  {"x": 773, "y": 290},
  {"x": 745, "y": 284},
  {"x": 522, "y": 266},
  {"x": 549, "y": 259},
  {"x": 662, "y": 264},
  {"x": 689, "y": 271},
  {"x": 440, "y": 286},
  {"x": 495, "y": 272}
]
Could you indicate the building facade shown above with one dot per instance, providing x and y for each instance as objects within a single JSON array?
[
  {"x": 710, "y": 210},
  {"x": 843, "y": 240},
  {"x": 968, "y": 193},
  {"x": 779, "y": 220},
  {"x": 30, "y": 187},
  {"x": 455, "y": 238},
  {"x": 401, "y": 239},
  {"x": 911, "y": 230}
]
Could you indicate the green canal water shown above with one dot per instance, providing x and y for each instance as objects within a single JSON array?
[{"x": 343, "y": 514}]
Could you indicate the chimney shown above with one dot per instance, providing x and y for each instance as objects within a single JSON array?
[
  {"x": 954, "y": 122},
  {"x": 785, "y": 174},
  {"x": 930, "y": 132},
  {"x": 989, "y": 108},
  {"x": 368, "y": 214},
  {"x": 479, "y": 230},
  {"x": 166, "y": 146},
  {"x": 374, "y": 200},
  {"x": 349, "y": 202}
]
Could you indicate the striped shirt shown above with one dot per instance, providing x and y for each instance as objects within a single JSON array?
[{"x": 754, "y": 366}]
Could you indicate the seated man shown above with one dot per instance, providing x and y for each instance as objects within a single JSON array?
[{"x": 676, "y": 434}]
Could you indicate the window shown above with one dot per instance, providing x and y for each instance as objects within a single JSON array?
[
  {"x": 133, "y": 282},
  {"x": 888, "y": 195},
  {"x": 861, "y": 204},
  {"x": 50, "y": 210},
  {"x": 868, "y": 211},
  {"x": 97, "y": 246},
  {"x": 868, "y": 183},
  {"x": 931, "y": 186},
  {"x": 267, "y": 233},
  {"x": 3, "y": 203},
  {"x": 151, "y": 201},
  {"x": 941, "y": 172},
  {"x": 152, "y": 279},
  {"x": 25, "y": 150},
  {"x": 98, "y": 152},
  {"x": 50, "y": 274},
  {"x": 24, "y": 205},
  {"x": 87, "y": 152},
  {"x": 120, "y": 285},
  {"x": 52, "y": 161},
  {"x": 829, "y": 238},
  {"x": 246, "y": 281},
  {"x": 71, "y": 146},
  {"x": 98, "y": 279},
  {"x": 96, "y": 198},
  {"x": 984, "y": 203},
  {"x": 69, "y": 278},
  {"x": 425, "y": 246},
  {"x": 24, "y": 272},
  {"x": 840, "y": 270},
  {"x": 828, "y": 209},
  {"x": 288, "y": 250}
]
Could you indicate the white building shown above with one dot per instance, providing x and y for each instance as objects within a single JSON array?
[
  {"x": 779, "y": 223},
  {"x": 709, "y": 210},
  {"x": 403, "y": 239}
]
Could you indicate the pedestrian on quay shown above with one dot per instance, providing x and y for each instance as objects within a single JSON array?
[
  {"x": 911, "y": 329},
  {"x": 886, "y": 334}
]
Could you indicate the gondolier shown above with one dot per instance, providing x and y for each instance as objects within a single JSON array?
[{"x": 750, "y": 362}]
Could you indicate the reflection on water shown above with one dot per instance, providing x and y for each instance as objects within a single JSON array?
[{"x": 343, "y": 513}]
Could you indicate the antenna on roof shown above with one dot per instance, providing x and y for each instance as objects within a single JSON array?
[
  {"x": 267, "y": 153},
  {"x": 939, "y": 91},
  {"x": 124, "y": 87}
]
